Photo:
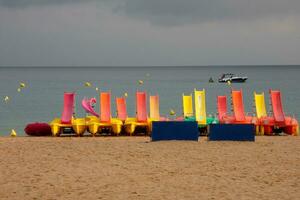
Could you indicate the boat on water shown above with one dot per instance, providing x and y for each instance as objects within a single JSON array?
[{"x": 232, "y": 78}]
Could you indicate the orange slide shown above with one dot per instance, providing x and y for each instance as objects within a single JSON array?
[
  {"x": 106, "y": 124},
  {"x": 121, "y": 108},
  {"x": 238, "y": 108}
]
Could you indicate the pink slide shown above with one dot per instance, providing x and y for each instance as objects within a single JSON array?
[
  {"x": 141, "y": 107},
  {"x": 105, "y": 115},
  {"x": 289, "y": 124},
  {"x": 121, "y": 108},
  {"x": 87, "y": 105},
  {"x": 68, "y": 110},
  {"x": 277, "y": 106}
]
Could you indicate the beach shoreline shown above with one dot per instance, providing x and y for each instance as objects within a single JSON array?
[{"x": 135, "y": 168}]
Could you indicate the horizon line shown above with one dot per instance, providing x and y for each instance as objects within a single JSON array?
[{"x": 145, "y": 66}]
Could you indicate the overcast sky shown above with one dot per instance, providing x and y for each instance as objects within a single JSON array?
[{"x": 149, "y": 32}]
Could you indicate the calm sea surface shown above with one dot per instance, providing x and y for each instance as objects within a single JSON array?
[{"x": 42, "y": 99}]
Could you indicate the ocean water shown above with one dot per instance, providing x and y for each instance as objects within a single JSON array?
[{"x": 42, "y": 99}]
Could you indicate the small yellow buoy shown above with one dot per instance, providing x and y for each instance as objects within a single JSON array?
[
  {"x": 19, "y": 89},
  {"x": 13, "y": 133},
  {"x": 228, "y": 82},
  {"x": 97, "y": 89},
  {"x": 22, "y": 85},
  {"x": 141, "y": 82},
  {"x": 6, "y": 99},
  {"x": 87, "y": 84},
  {"x": 172, "y": 112},
  {"x": 125, "y": 94}
]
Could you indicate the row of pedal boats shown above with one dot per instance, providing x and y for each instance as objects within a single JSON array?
[{"x": 193, "y": 109}]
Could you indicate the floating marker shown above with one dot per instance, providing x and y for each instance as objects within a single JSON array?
[
  {"x": 13, "y": 133},
  {"x": 6, "y": 99},
  {"x": 125, "y": 94},
  {"x": 141, "y": 82},
  {"x": 22, "y": 85},
  {"x": 87, "y": 84},
  {"x": 228, "y": 82},
  {"x": 19, "y": 89},
  {"x": 97, "y": 89},
  {"x": 172, "y": 112}
]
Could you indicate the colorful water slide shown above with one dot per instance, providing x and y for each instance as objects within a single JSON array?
[
  {"x": 222, "y": 110},
  {"x": 121, "y": 108},
  {"x": 66, "y": 123},
  {"x": 106, "y": 124},
  {"x": 238, "y": 105},
  {"x": 277, "y": 106},
  {"x": 141, "y": 107},
  {"x": 260, "y": 105},
  {"x": 154, "y": 109},
  {"x": 289, "y": 124},
  {"x": 68, "y": 109},
  {"x": 221, "y": 107},
  {"x": 105, "y": 107},
  {"x": 238, "y": 109},
  {"x": 141, "y": 120},
  {"x": 188, "y": 112},
  {"x": 265, "y": 123},
  {"x": 200, "y": 107},
  {"x": 87, "y": 105}
]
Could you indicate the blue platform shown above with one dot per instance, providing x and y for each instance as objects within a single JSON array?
[
  {"x": 174, "y": 130},
  {"x": 232, "y": 132}
]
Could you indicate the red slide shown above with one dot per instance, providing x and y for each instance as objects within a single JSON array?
[
  {"x": 141, "y": 107},
  {"x": 222, "y": 110},
  {"x": 277, "y": 106}
]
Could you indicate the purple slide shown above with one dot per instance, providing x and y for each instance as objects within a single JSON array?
[
  {"x": 68, "y": 110},
  {"x": 87, "y": 105}
]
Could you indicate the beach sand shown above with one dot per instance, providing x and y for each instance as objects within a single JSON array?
[{"x": 135, "y": 168}]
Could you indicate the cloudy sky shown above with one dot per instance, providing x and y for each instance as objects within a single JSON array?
[{"x": 149, "y": 32}]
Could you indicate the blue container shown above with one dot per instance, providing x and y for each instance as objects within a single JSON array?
[
  {"x": 173, "y": 130},
  {"x": 233, "y": 132}
]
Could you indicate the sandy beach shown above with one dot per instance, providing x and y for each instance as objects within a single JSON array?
[{"x": 135, "y": 168}]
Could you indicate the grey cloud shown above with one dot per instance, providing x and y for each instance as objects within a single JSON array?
[
  {"x": 178, "y": 12},
  {"x": 188, "y": 11},
  {"x": 26, "y": 3}
]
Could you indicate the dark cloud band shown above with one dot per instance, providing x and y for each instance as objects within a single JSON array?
[{"x": 176, "y": 12}]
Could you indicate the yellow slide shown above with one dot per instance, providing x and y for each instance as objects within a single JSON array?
[
  {"x": 187, "y": 101},
  {"x": 200, "y": 107},
  {"x": 260, "y": 105}
]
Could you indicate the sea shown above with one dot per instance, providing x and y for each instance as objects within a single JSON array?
[{"x": 41, "y": 100}]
